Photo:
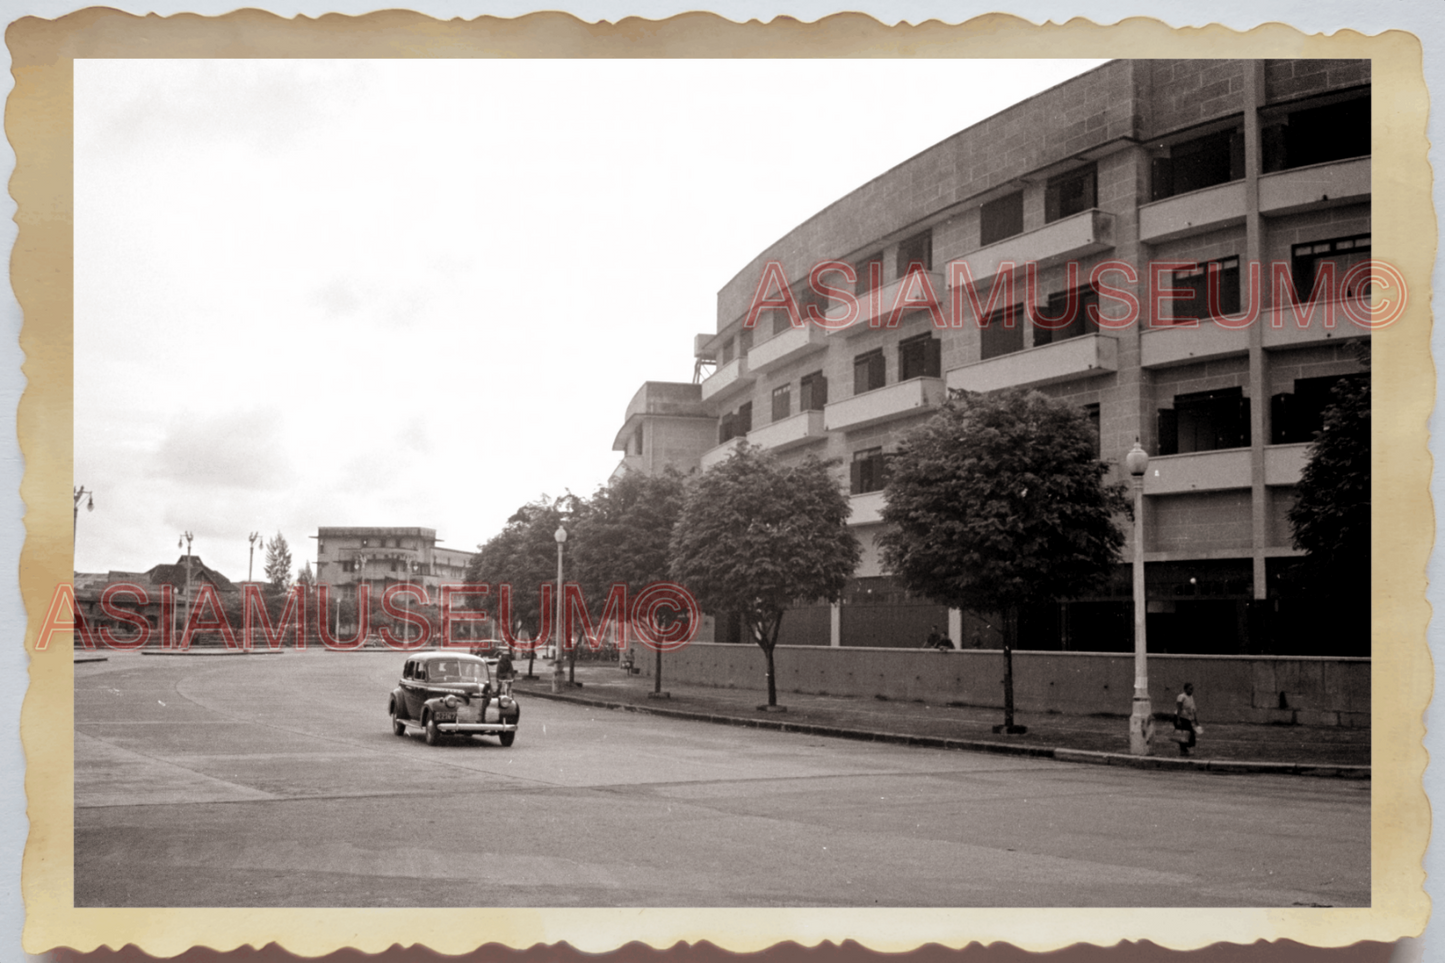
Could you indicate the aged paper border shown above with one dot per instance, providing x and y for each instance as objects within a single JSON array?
[{"x": 38, "y": 123}]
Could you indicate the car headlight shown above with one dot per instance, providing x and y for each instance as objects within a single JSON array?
[{"x": 451, "y": 701}]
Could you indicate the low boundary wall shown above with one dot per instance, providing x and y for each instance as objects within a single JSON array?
[{"x": 1307, "y": 690}]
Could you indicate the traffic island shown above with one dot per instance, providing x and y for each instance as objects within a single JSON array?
[
  {"x": 1002, "y": 730},
  {"x": 772, "y": 708}
]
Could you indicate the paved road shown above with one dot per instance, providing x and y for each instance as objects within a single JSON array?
[{"x": 275, "y": 781}]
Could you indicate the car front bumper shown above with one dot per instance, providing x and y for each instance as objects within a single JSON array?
[{"x": 482, "y": 727}]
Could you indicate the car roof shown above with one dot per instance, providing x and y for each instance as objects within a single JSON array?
[{"x": 433, "y": 656}]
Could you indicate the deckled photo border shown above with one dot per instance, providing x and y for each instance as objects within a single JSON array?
[{"x": 39, "y": 126}]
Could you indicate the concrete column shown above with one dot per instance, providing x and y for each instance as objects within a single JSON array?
[
  {"x": 835, "y": 624},
  {"x": 1258, "y": 360},
  {"x": 955, "y": 626}
]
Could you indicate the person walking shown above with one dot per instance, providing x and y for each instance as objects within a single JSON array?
[{"x": 1186, "y": 719}]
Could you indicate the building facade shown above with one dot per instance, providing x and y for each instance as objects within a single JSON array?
[
  {"x": 1176, "y": 247},
  {"x": 381, "y": 557}
]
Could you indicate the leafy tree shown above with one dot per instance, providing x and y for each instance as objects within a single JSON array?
[
  {"x": 999, "y": 502},
  {"x": 1331, "y": 515},
  {"x": 524, "y": 556},
  {"x": 755, "y": 536},
  {"x": 622, "y": 535},
  {"x": 278, "y": 562},
  {"x": 306, "y": 578}
]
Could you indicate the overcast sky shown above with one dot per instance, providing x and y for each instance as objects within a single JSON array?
[{"x": 422, "y": 292}]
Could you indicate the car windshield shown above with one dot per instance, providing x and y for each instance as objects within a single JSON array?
[{"x": 456, "y": 670}]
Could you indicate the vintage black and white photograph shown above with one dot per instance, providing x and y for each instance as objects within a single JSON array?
[{"x": 724, "y": 483}]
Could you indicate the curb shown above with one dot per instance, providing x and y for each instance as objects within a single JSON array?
[{"x": 1165, "y": 763}]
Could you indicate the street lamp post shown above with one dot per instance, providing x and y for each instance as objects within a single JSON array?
[
  {"x": 89, "y": 497},
  {"x": 1141, "y": 720},
  {"x": 561, "y": 536},
  {"x": 186, "y": 596}
]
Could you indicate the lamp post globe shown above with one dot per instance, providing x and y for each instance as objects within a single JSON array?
[{"x": 1141, "y": 717}]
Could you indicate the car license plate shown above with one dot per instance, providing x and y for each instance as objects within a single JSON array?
[{"x": 472, "y": 713}]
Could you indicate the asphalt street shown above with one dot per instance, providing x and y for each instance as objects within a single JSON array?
[{"x": 275, "y": 780}]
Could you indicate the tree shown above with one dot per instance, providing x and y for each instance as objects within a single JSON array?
[
  {"x": 305, "y": 578},
  {"x": 523, "y": 556},
  {"x": 278, "y": 562},
  {"x": 1331, "y": 514},
  {"x": 622, "y": 535},
  {"x": 998, "y": 502},
  {"x": 755, "y": 536}
]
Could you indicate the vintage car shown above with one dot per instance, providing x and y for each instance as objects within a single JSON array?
[{"x": 446, "y": 693}]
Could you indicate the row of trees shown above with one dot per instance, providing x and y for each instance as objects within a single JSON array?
[{"x": 996, "y": 503}]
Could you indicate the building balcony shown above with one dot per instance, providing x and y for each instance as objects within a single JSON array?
[
  {"x": 867, "y": 508},
  {"x": 792, "y": 344},
  {"x": 1080, "y": 357},
  {"x": 727, "y": 380},
  {"x": 721, "y": 453},
  {"x": 1203, "y": 210},
  {"x": 1161, "y": 347},
  {"x": 790, "y": 432},
  {"x": 873, "y": 309},
  {"x": 1325, "y": 322},
  {"x": 1284, "y": 463},
  {"x": 1199, "y": 471},
  {"x": 1315, "y": 187},
  {"x": 914, "y": 396},
  {"x": 1084, "y": 233}
]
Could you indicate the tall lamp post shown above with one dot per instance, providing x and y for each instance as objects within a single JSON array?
[
  {"x": 186, "y": 597},
  {"x": 561, "y": 536},
  {"x": 89, "y": 497},
  {"x": 1141, "y": 720}
]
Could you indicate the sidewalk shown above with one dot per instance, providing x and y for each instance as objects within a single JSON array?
[{"x": 1224, "y": 747}]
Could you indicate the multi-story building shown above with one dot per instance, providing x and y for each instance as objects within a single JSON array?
[
  {"x": 1069, "y": 244},
  {"x": 381, "y": 557},
  {"x": 666, "y": 424}
]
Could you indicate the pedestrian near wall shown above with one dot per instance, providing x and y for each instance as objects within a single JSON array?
[
  {"x": 933, "y": 638},
  {"x": 1186, "y": 719}
]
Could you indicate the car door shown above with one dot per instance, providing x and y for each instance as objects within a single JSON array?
[{"x": 414, "y": 688}]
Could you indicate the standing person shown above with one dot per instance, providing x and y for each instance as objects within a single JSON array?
[
  {"x": 1186, "y": 717},
  {"x": 933, "y": 638}
]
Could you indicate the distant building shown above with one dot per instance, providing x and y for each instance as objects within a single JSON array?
[
  {"x": 666, "y": 424},
  {"x": 386, "y": 556}
]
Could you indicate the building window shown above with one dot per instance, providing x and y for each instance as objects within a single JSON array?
[
  {"x": 1299, "y": 416},
  {"x": 1070, "y": 193},
  {"x": 868, "y": 372},
  {"x": 781, "y": 322},
  {"x": 865, "y": 271},
  {"x": 728, "y": 351},
  {"x": 1001, "y": 218},
  {"x": 920, "y": 357},
  {"x": 1067, "y": 316},
  {"x": 1195, "y": 280},
  {"x": 814, "y": 392},
  {"x": 918, "y": 249},
  {"x": 1199, "y": 163},
  {"x": 637, "y": 441},
  {"x": 735, "y": 423},
  {"x": 1341, "y": 253},
  {"x": 1317, "y": 135},
  {"x": 745, "y": 342},
  {"x": 808, "y": 296},
  {"x": 366, "y": 543},
  {"x": 868, "y": 472},
  {"x": 1002, "y": 332},
  {"x": 782, "y": 402},
  {"x": 1091, "y": 415},
  {"x": 1205, "y": 421}
]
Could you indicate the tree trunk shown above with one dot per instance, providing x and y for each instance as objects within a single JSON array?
[
  {"x": 772, "y": 681},
  {"x": 1010, "y": 636},
  {"x": 657, "y": 676},
  {"x": 571, "y": 662}
]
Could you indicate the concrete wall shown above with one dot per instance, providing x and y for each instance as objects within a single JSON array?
[{"x": 1317, "y": 691}]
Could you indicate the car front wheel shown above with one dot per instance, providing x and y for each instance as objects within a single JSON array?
[
  {"x": 507, "y": 738},
  {"x": 397, "y": 726},
  {"x": 433, "y": 734}
]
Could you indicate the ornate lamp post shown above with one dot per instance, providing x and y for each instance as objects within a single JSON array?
[
  {"x": 561, "y": 536},
  {"x": 1141, "y": 720},
  {"x": 89, "y": 497}
]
